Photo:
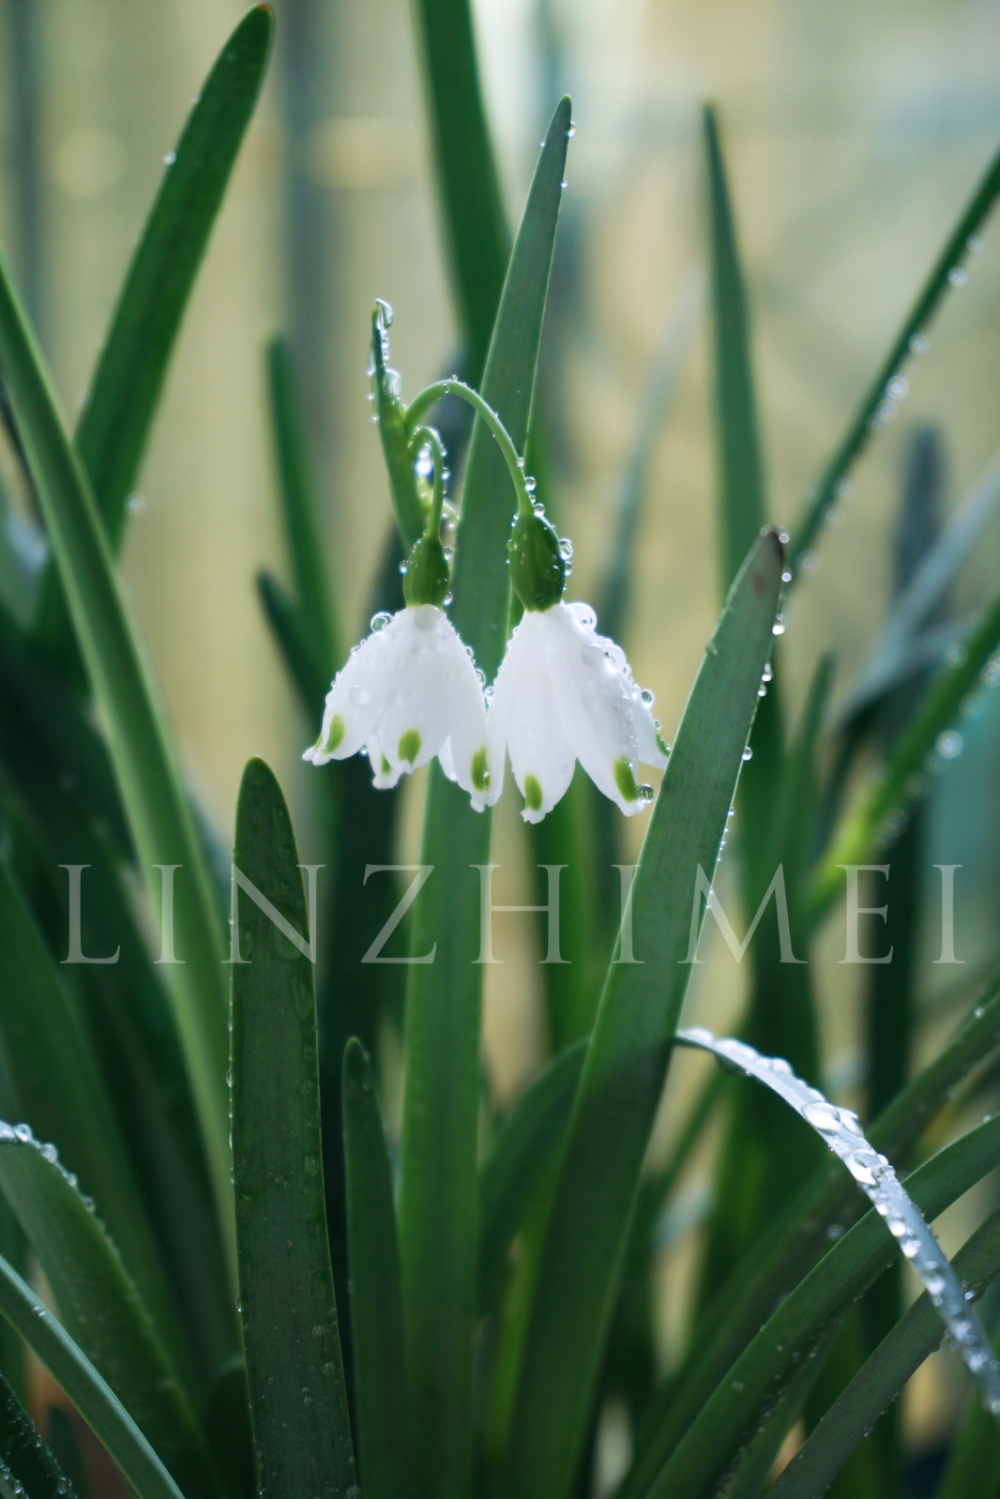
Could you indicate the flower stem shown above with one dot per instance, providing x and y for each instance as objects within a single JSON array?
[
  {"x": 426, "y": 437},
  {"x": 428, "y": 397}
]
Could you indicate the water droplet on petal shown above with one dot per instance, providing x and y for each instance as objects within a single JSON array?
[{"x": 359, "y": 695}]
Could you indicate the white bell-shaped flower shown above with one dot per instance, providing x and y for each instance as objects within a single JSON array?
[
  {"x": 565, "y": 693},
  {"x": 408, "y": 692}
]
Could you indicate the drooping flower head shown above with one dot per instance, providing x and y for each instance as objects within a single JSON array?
[
  {"x": 407, "y": 693},
  {"x": 563, "y": 694},
  {"x": 410, "y": 691}
]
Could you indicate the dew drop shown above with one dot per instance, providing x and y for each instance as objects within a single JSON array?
[
  {"x": 958, "y": 276},
  {"x": 359, "y": 695},
  {"x": 380, "y": 620},
  {"x": 949, "y": 745},
  {"x": 780, "y": 625},
  {"x": 747, "y": 753}
]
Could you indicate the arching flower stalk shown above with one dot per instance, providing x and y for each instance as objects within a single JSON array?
[{"x": 563, "y": 693}]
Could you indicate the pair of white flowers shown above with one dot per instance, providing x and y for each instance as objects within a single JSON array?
[{"x": 563, "y": 693}]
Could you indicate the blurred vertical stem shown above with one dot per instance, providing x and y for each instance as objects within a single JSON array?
[
  {"x": 23, "y": 83},
  {"x": 475, "y": 224}
]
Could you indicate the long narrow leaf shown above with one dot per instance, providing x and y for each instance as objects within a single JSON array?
[
  {"x": 896, "y": 786},
  {"x": 627, "y": 1061},
  {"x": 438, "y": 1186},
  {"x": 929, "y": 298},
  {"x": 299, "y": 507},
  {"x": 298, "y": 1397},
  {"x": 478, "y": 237},
  {"x": 158, "y": 814},
  {"x": 376, "y": 1305},
  {"x": 80, "y": 1381},
  {"x": 525, "y": 1150}
]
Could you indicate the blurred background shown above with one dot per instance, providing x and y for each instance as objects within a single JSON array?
[{"x": 853, "y": 133}]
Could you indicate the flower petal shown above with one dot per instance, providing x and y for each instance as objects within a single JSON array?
[
  {"x": 524, "y": 718},
  {"x": 358, "y": 695}
]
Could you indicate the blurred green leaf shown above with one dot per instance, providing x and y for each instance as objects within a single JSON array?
[
  {"x": 627, "y": 1061},
  {"x": 158, "y": 813},
  {"x": 900, "y": 779},
  {"x": 475, "y": 224},
  {"x": 438, "y": 1185},
  {"x": 81, "y": 1383},
  {"x": 57, "y": 768},
  {"x": 878, "y": 1383},
  {"x": 101, "y": 1308},
  {"x": 301, "y": 514},
  {"x": 376, "y": 1305},
  {"x": 525, "y": 1150},
  {"x": 298, "y": 1397},
  {"x": 303, "y": 661},
  {"x": 760, "y": 1375},
  {"x": 64, "y": 1445},
  {"x": 25, "y": 1460},
  {"x": 914, "y": 325},
  {"x": 58, "y": 1088}
]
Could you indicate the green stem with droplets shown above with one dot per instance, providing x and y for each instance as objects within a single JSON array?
[{"x": 428, "y": 397}]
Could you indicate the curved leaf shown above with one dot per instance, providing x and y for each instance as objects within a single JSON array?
[
  {"x": 100, "y": 1306},
  {"x": 28, "y": 1469},
  {"x": 882, "y": 1377},
  {"x": 81, "y": 1383}
]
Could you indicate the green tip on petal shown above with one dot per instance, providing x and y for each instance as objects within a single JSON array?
[
  {"x": 625, "y": 780},
  {"x": 386, "y": 767},
  {"x": 335, "y": 736},
  {"x": 480, "y": 771},
  {"x": 532, "y": 794},
  {"x": 663, "y": 747},
  {"x": 409, "y": 746}
]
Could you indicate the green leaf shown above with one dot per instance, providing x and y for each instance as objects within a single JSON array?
[
  {"x": 59, "y": 771},
  {"x": 301, "y": 514},
  {"x": 882, "y": 1377},
  {"x": 627, "y": 1061},
  {"x": 740, "y": 478},
  {"x": 931, "y": 294},
  {"x": 761, "y": 1373},
  {"x": 58, "y": 1088},
  {"x": 376, "y": 1304},
  {"x": 438, "y": 1186},
  {"x": 524, "y": 1152},
  {"x": 288, "y": 626},
  {"x": 796, "y": 1240},
  {"x": 118, "y": 413},
  {"x": 24, "y": 1458},
  {"x": 899, "y": 780},
  {"x": 476, "y": 228},
  {"x": 298, "y": 1398},
  {"x": 157, "y": 810},
  {"x": 101, "y": 1308},
  {"x": 81, "y": 1383}
]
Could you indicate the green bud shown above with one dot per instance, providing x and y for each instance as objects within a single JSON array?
[
  {"x": 537, "y": 566},
  {"x": 427, "y": 579},
  {"x": 411, "y": 511}
]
